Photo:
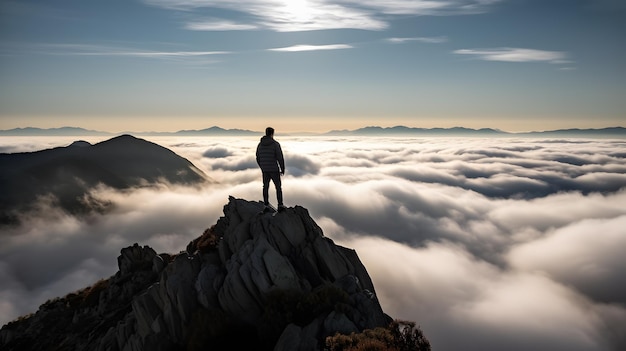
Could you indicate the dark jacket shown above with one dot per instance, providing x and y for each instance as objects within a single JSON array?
[{"x": 269, "y": 155}]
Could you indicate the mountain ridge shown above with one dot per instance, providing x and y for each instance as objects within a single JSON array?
[
  {"x": 253, "y": 280},
  {"x": 61, "y": 131},
  {"x": 77, "y": 131},
  {"x": 67, "y": 174},
  {"x": 403, "y": 130}
]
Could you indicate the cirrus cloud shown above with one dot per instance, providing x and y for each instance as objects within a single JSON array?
[
  {"x": 297, "y": 48},
  {"x": 516, "y": 55},
  {"x": 218, "y": 25},
  {"x": 430, "y": 40}
]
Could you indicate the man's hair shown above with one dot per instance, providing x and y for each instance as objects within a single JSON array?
[{"x": 269, "y": 131}]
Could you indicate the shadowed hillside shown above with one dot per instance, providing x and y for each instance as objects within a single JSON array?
[
  {"x": 65, "y": 175},
  {"x": 251, "y": 281}
]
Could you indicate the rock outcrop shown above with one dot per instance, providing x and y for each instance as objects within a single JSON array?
[{"x": 251, "y": 281}]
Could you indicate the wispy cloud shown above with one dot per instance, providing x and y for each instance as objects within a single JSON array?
[
  {"x": 192, "y": 57},
  {"x": 155, "y": 54},
  {"x": 200, "y": 59},
  {"x": 100, "y": 50},
  {"x": 427, "y": 7},
  {"x": 429, "y": 40},
  {"x": 219, "y": 25},
  {"x": 305, "y": 15},
  {"x": 516, "y": 55},
  {"x": 162, "y": 53},
  {"x": 296, "y": 48}
]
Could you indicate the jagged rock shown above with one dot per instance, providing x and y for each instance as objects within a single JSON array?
[
  {"x": 297, "y": 338},
  {"x": 135, "y": 258},
  {"x": 158, "y": 264},
  {"x": 289, "y": 339},
  {"x": 340, "y": 323},
  {"x": 209, "y": 281},
  {"x": 251, "y": 280}
]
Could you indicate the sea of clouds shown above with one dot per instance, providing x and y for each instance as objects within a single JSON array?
[{"x": 501, "y": 243}]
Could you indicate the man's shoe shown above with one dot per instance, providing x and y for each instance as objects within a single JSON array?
[{"x": 281, "y": 208}]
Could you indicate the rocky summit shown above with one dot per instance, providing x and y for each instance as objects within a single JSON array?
[{"x": 253, "y": 280}]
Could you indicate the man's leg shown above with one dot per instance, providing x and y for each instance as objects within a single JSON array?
[
  {"x": 278, "y": 186},
  {"x": 266, "y": 188}
]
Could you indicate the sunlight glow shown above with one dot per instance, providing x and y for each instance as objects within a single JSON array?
[
  {"x": 305, "y": 15},
  {"x": 299, "y": 10}
]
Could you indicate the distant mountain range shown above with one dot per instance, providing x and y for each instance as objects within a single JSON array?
[
  {"x": 402, "y": 130},
  {"x": 74, "y": 131},
  {"x": 63, "y": 131},
  {"x": 460, "y": 131},
  {"x": 602, "y": 132},
  {"x": 615, "y": 132},
  {"x": 65, "y": 175}
]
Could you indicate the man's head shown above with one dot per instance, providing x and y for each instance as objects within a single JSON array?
[{"x": 269, "y": 131}]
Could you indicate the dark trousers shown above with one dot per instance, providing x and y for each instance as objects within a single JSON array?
[{"x": 275, "y": 177}]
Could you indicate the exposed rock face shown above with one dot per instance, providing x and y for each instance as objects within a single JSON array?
[{"x": 252, "y": 281}]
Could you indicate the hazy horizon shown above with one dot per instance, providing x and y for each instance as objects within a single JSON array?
[
  {"x": 515, "y": 243},
  {"x": 279, "y": 131}
]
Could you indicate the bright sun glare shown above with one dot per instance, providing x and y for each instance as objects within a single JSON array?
[{"x": 297, "y": 10}]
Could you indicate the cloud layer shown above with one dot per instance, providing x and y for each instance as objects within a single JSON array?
[{"x": 510, "y": 243}]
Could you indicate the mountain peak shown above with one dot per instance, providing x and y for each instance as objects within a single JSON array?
[
  {"x": 69, "y": 173},
  {"x": 252, "y": 281},
  {"x": 80, "y": 143}
]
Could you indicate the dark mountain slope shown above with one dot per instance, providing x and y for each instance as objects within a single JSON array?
[
  {"x": 252, "y": 281},
  {"x": 66, "y": 174}
]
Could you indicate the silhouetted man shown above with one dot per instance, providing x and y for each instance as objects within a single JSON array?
[{"x": 269, "y": 156}]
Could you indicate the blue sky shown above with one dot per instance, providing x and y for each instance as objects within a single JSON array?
[{"x": 298, "y": 65}]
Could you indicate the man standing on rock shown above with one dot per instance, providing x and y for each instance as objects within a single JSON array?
[{"x": 269, "y": 157}]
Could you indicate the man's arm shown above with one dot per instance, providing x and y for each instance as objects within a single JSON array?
[
  {"x": 280, "y": 158},
  {"x": 258, "y": 159}
]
